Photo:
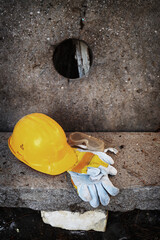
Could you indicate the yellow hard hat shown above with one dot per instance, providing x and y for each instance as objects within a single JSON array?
[{"x": 41, "y": 143}]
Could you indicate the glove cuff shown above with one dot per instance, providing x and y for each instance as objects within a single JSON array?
[{"x": 83, "y": 162}]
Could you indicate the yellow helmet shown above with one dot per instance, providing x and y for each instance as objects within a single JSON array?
[{"x": 41, "y": 143}]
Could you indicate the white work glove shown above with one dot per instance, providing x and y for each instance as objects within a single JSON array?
[{"x": 92, "y": 182}]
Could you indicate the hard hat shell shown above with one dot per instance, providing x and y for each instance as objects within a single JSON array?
[{"x": 40, "y": 142}]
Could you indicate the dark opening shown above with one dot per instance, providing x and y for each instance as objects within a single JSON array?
[{"x": 72, "y": 58}]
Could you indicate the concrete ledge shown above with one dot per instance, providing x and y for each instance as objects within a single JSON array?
[{"x": 138, "y": 164}]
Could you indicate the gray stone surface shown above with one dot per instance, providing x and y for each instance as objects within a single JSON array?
[
  {"x": 121, "y": 92},
  {"x": 138, "y": 178}
]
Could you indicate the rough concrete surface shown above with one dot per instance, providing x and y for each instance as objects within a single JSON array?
[
  {"x": 121, "y": 91},
  {"x": 138, "y": 178}
]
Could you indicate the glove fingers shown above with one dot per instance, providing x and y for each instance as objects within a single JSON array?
[
  {"x": 108, "y": 159},
  {"x": 109, "y": 170},
  {"x": 104, "y": 157},
  {"x": 84, "y": 193},
  {"x": 94, "y": 202},
  {"x": 96, "y": 178},
  {"x": 93, "y": 171},
  {"x": 103, "y": 196},
  {"x": 112, "y": 170},
  {"x": 112, "y": 190}
]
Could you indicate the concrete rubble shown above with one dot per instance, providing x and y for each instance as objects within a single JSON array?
[{"x": 90, "y": 220}]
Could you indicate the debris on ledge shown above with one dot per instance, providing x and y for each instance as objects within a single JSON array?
[{"x": 90, "y": 220}]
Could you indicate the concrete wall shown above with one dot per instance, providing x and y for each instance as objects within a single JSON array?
[{"x": 121, "y": 92}]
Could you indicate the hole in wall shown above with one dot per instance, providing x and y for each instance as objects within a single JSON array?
[{"x": 72, "y": 58}]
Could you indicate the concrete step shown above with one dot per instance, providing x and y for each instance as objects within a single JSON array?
[{"x": 137, "y": 162}]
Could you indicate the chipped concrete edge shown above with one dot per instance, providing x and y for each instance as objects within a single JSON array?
[{"x": 144, "y": 198}]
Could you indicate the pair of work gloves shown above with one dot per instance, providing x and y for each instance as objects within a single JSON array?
[{"x": 90, "y": 175}]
